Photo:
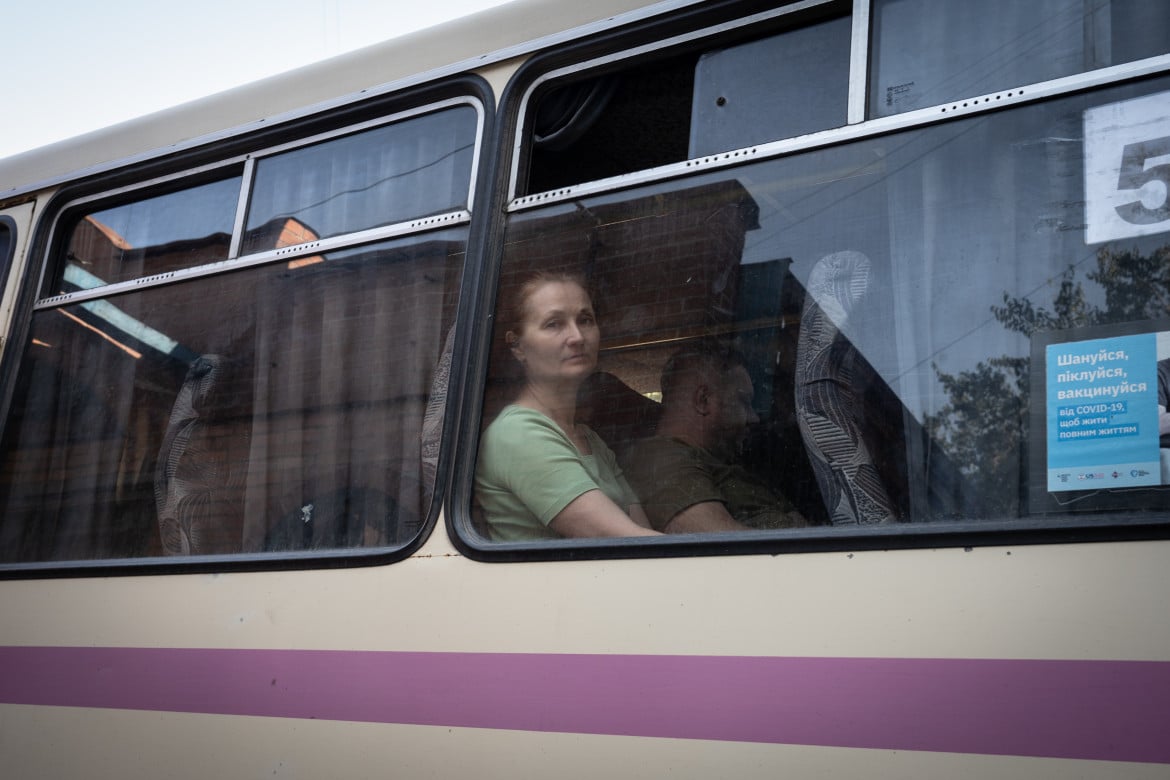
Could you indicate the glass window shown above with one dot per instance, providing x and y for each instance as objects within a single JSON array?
[
  {"x": 168, "y": 232},
  {"x": 928, "y": 52},
  {"x": 884, "y": 298},
  {"x": 382, "y": 176},
  {"x": 286, "y": 406},
  {"x": 274, "y": 408}
]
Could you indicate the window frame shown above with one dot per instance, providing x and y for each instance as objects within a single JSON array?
[{"x": 642, "y": 42}]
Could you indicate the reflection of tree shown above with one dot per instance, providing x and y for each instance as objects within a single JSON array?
[{"x": 984, "y": 425}]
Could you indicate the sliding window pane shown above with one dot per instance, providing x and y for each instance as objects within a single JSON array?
[
  {"x": 273, "y": 408},
  {"x": 928, "y": 52},
  {"x": 170, "y": 232},
  {"x": 413, "y": 168}
]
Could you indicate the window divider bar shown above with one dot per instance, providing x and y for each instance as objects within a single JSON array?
[
  {"x": 242, "y": 208},
  {"x": 859, "y": 62},
  {"x": 349, "y": 240}
]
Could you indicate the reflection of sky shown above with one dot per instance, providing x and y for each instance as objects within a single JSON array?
[
  {"x": 113, "y": 316},
  {"x": 191, "y": 213}
]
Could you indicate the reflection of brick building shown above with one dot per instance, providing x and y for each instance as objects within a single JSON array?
[
  {"x": 662, "y": 267},
  {"x": 100, "y": 251},
  {"x": 280, "y": 233},
  {"x": 98, "y": 248}
]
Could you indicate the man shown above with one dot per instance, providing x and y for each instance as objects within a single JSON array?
[{"x": 684, "y": 475}]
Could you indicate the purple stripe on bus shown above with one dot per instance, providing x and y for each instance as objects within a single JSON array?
[{"x": 1109, "y": 710}]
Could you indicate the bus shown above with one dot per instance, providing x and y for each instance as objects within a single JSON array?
[{"x": 250, "y": 347}]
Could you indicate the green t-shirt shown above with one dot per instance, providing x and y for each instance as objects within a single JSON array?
[{"x": 529, "y": 470}]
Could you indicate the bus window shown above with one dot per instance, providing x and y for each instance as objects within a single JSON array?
[
  {"x": 253, "y": 407},
  {"x": 884, "y": 297},
  {"x": 378, "y": 177},
  {"x": 928, "y": 52}
]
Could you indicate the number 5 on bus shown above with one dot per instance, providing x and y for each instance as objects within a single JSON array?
[{"x": 1127, "y": 169}]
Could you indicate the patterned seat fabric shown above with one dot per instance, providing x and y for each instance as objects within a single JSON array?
[
  {"x": 202, "y": 465},
  {"x": 827, "y": 400}
]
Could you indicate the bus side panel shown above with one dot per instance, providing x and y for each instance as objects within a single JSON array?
[{"x": 68, "y": 742}]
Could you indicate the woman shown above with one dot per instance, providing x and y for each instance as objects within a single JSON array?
[{"x": 541, "y": 475}]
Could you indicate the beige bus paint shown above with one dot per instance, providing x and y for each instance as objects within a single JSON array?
[
  {"x": 126, "y": 744},
  {"x": 498, "y": 75},
  {"x": 459, "y": 46},
  {"x": 1083, "y": 601},
  {"x": 21, "y": 214}
]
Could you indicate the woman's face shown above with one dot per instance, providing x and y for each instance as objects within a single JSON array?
[{"x": 558, "y": 337}]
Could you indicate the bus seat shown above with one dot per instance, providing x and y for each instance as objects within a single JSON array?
[
  {"x": 202, "y": 463},
  {"x": 347, "y": 517},
  {"x": 432, "y": 434},
  {"x": 827, "y": 401}
]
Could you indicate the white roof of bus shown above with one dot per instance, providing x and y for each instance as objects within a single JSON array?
[{"x": 511, "y": 30}]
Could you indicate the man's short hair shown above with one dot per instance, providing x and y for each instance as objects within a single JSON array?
[{"x": 707, "y": 357}]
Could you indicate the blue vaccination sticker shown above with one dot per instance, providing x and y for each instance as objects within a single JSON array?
[{"x": 1102, "y": 410}]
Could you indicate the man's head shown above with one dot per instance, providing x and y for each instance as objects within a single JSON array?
[{"x": 707, "y": 395}]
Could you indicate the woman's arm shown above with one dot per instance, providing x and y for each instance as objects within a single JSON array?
[{"x": 593, "y": 514}]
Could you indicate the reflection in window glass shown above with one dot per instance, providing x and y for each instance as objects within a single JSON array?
[
  {"x": 285, "y": 417},
  {"x": 182, "y": 229},
  {"x": 883, "y": 296},
  {"x": 414, "y": 168},
  {"x": 928, "y": 52}
]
